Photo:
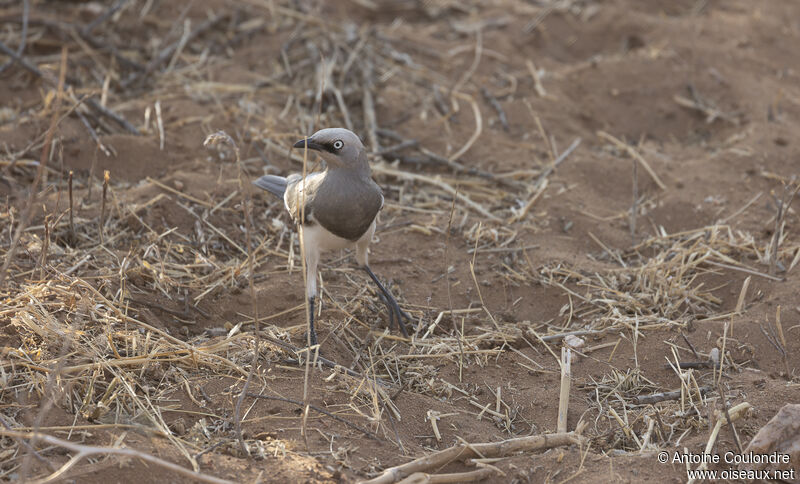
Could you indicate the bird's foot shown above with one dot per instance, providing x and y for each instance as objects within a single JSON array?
[{"x": 396, "y": 313}]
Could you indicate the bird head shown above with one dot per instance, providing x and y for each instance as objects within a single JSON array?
[{"x": 339, "y": 147}]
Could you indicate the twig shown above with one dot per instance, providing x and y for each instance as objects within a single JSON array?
[
  {"x": 537, "y": 81},
  {"x": 167, "y": 52},
  {"x": 71, "y": 210},
  {"x": 728, "y": 417},
  {"x": 458, "y": 333},
  {"x": 691, "y": 346},
  {"x": 779, "y": 325},
  {"x": 746, "y": 270},
  {"x": 103, "y": 205},
  {"x": 475, "y": 62},
  {"x": 84, "y": 451},
  {"x": 635, "y": 154},
  {"x": 718, "y": 376},
  {"x": 685, "y": 365},
  {"x": 466, "y": 451},
  {"x": 322, "y": 360},
  {"x": 735, "y": 413},
  {"x": 742, "y": 296},
  {"x": 187, "y": 23},
  {"x": 103, "y": 17},
  {"x": 783, "y": 208},
  {"x": 431, "y": 157},
  {"x": 433, "y": 417},
  {"x": 541, "y": 182},
  {"x": 635, "y": 203},
  {"x": 712, "y": 113},
  {"x": 454, "y": 477},
  {"x": 740, "y": 302},
  {"x": 476, "y": 110},
  {"x": 563, "y": 397},
  {"x": 160, "y": 125},
  {"x": 49, "y": 398},
  {"x": 23, "y": 36},
  {"x": 493, "y": 102},
  {"x": 410, "y": 143},
  {"x": 66, "y": 87},
  {"x": 521, "y": 213},
  {"x": 308, "y": 301},
  {"x": 112, "y": 115},
  {"x": 93, "y": 134},
  {"x": 664, "y": 396},
  {"x": 475, "y": 279},
  {"x": 93, "y": 41},
  {"x": 317, "y": 409},
  {"x": 368, "y": 105},
  {"x": 250, "y": 258},
  {"x": 437, "y": 182},
  {"x": 45, "y": 244},
  {"x": 561, "y": 158},
  {"x": 610, "y": 252},
  {"x": 214, "y": 139},
  {"x": 531, "y": 26},
  {"x": 773, "y": 340},
  {"x": 741, "y": 210},
  {"x": 394, "y": 428},
  {"x": 178, "y": 192},
  {"x": 28, "y": 447},
  {"x": 554, "y": 337}
]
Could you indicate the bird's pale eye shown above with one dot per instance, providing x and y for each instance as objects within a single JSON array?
[{"x": 337, "y": 145}]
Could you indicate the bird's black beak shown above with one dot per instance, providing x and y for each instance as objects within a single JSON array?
[{"x": 312, "y": 145}]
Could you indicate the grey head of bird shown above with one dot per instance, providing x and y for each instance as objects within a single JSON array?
[{"x": 339, "y": 147}]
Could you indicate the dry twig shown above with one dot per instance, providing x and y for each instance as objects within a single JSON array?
[{"x": 466, "y": 451}]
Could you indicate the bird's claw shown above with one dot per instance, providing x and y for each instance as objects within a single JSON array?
[{"x": 396, "y": 314}]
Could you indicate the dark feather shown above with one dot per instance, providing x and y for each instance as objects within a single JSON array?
[{"x": 276, "y": 185}]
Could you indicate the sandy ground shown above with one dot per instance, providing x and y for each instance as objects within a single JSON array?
[{"x": 705, "y": 92}]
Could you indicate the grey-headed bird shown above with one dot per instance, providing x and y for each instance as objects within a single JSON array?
[{"x": 338, "y": 207}]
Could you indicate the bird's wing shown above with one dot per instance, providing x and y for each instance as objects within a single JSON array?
[
  {"x": 276, "y": 185},
  {"x": 299, "y": 195}
]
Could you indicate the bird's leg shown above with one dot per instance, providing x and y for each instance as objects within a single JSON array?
[
  {"x": 312, "y": 258},
  {"x": 312, "y": 334},
  {"x": 395, "y": 313}
]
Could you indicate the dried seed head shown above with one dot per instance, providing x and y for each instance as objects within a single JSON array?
[
  {"x": 217, "y": 138},
  {"x": 713, "y": 356}
]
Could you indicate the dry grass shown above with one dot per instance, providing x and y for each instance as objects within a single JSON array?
[{"x": 80, "y": 282}]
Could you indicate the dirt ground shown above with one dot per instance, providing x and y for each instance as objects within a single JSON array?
[{"x": 135, "y": 327}]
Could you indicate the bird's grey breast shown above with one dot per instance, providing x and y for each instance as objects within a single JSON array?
[{"x": 346, "y": 203}]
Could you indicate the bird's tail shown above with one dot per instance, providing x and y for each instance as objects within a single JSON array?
[{"x": 276, "y": 185}]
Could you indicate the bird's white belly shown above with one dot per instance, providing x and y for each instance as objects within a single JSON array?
[
  {"x": 316, "y": 237},
  {"x": 318, "y": 240}
]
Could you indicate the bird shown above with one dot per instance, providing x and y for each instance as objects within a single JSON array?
[{"x": 334, "y": 209}]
